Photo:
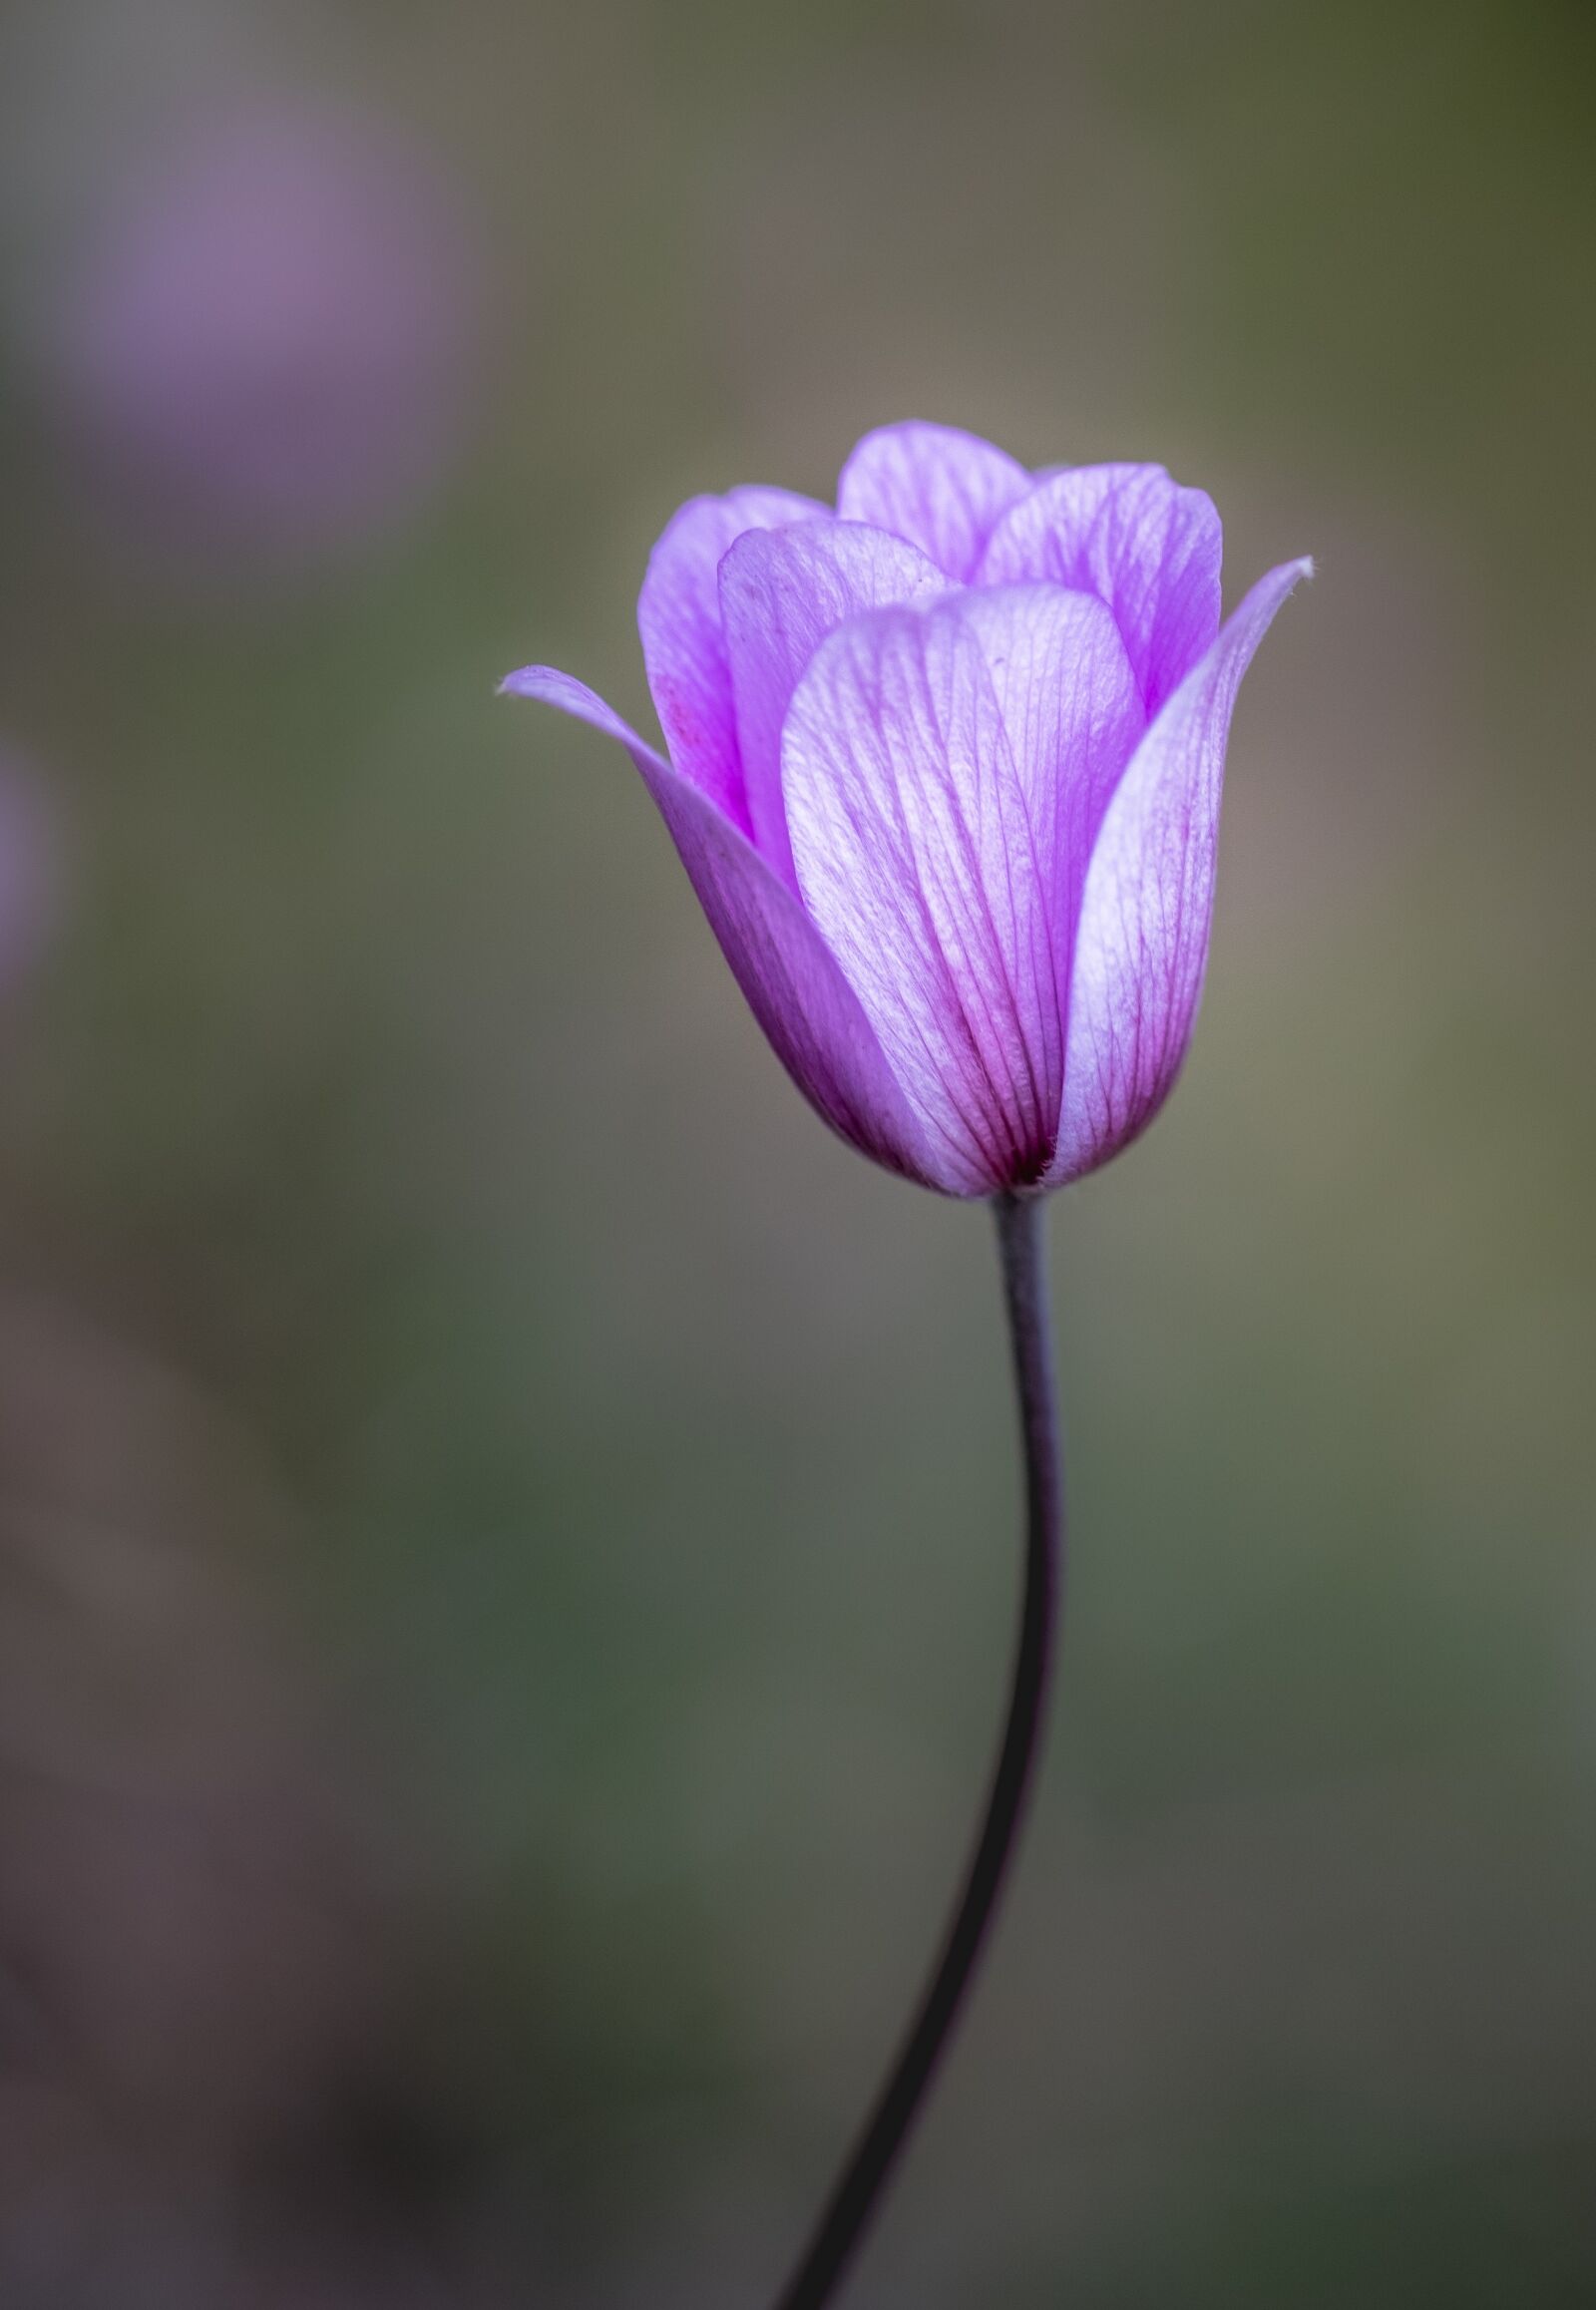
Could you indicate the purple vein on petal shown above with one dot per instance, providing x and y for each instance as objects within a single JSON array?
[{"x": 1141, "y": 949}]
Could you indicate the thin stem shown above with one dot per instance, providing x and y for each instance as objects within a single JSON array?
[{"x": 857, "y": 2193}]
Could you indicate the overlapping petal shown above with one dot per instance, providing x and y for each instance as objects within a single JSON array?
[
  {"x": 781, "y": 593},
  {"x": 924, "y": 788},
  {"x": 790, "y": 979},
  {"x": 1148, "y": 548},
  {"x": 1141, "y": 945},
  {"x": 683, "y": 647},
  {"x": 1067, "y": 694},
  {"x": 943, "y": 490}
]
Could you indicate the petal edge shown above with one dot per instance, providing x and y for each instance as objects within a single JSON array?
[
  {"x": 942, "y": 489},
  {"x": 788, "y": 974},
  {"x": 1141, "y": 945},
  {"x": 683, "y": 644},
  {"x": 781, "y": 593}
]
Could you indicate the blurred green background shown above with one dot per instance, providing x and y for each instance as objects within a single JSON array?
[{"x": 508, "y": 1533}]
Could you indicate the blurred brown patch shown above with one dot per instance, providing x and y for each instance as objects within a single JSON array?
[{"x": 205, "y": 1954}]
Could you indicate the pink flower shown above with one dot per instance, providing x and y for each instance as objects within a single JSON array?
[
  {"x": 267, "y": 345},
  {"x": 944, "y": 770}
]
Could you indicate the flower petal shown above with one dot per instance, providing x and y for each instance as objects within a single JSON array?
[
  {"x": 927, "y": 849},
  {"x": 1068, "y": 698},
  {"x": 941, "y": 489},
  {"x": 781, "y": 593},
  {"x": 1142, "y": 942},
  {"x": 791, "y": 980},
  {"x": 1148, "y": 548},
  {"x": 683, "y": 647}
]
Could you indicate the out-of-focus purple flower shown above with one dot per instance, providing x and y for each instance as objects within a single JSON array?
[
  {"x": 944, "y": 769},
  {"x": 268, "y": 345}
]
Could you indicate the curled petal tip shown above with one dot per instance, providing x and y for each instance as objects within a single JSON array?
[
  {"x": 792, "y": 981},
  {"x": 529, "y": 681}
]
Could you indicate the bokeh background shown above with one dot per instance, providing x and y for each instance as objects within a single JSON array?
[{"x": 508, "y": 1533}]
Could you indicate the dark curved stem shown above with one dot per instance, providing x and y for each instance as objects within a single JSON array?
[{"x": 858, "y": 2191}]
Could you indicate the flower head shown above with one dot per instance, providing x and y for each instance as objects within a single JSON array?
[{"x": 944, "y": 769}]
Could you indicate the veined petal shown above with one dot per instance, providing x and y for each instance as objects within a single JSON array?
[
  {"x": 1142, "y": 943},
  {"x": 683, "y": 647},
  {"x": 941, "y": 489},
  {"x": 781, "y": 593},
  {"x": 1148, "y": 548},
  {"x": 1068, "y": 698},
  {"x": 790, "y": 979},
  {"x": 929, "y": 851}
]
